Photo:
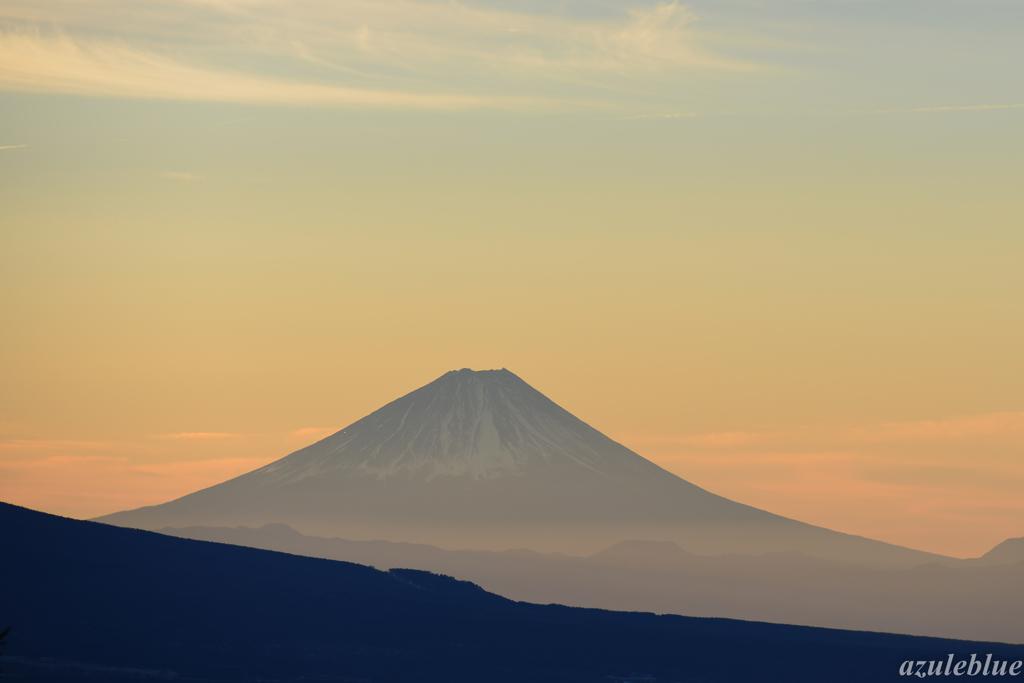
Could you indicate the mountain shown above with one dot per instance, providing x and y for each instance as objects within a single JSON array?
[
  {"x": 484, "y": 460},
  {"x": 1009, "y": 551},
  {"x": 89, "y": 601},
  {"x": 966, "y": 600}
]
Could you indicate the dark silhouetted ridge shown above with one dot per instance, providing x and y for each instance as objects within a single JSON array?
[{"x": 93, "y": 601}]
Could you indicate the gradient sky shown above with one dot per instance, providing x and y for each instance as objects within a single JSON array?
[{"x": 776, "y": 246}]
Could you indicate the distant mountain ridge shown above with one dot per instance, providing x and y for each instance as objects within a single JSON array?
[
  {"x": 484, "y": 460},
  {"x": 1009, "y": 551},
  {"x": 976, "y": 599}
]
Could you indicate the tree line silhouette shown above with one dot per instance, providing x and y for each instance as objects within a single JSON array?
[{"x": 3, "y": 642}]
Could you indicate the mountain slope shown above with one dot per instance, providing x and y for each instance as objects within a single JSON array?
[
  {"x": 1009, "y": 551},
  {"x": 481, "y": 459}
]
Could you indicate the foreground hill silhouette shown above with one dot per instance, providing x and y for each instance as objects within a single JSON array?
[
  {"x": 88, "y": 600},
  {"x": 483, "y": 460}
]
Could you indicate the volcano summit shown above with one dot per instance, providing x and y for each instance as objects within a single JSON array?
[{"x": 483, "y": 460}]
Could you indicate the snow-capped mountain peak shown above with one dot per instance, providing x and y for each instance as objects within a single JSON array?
[{"x": 480, "y": 425}]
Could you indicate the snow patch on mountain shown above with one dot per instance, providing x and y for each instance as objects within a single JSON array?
[{"x": 480, "y": 425}]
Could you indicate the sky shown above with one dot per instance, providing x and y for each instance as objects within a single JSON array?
[{"x": 775, "y": 246}]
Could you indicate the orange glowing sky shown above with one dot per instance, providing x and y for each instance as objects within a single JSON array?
[{"x": 774, "y": 247}]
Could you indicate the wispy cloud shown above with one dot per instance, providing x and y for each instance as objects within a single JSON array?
[
  {"x": 200, "y": 435},
  {"x": 653, "y": 116},
  {"x": 1004, "y": 427},
  {"x": 246, "y": 119},
  {"x": 961, "y": 472},
  {"x": 34, "y": 62},
  {"x": 175, "y": 175},
  {"x": 29, "y": 448},
  {"x": 316, "y": 432},
  {"x": 961, "y": 427},
  {"x": 83, "y": 485},
  {"x": 973, "y": 107},
  {"x": 713, "y": 439},
  {"x": 13, "y": 146},
  {"x": 399, "y": 54}
]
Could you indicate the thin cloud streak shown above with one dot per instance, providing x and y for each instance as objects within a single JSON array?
[
  {"x": 653, "y": 116},
  {"x": 201, "y": 435},
  {"x": 13, "y": 146},
  {"x": 1007, "y": 425},
  {"x": 86, "y": 486},
  {"x": 29, "y": 446},
  {"x": 1000, "y": 426},
  {"x": 175, "y": 175},
  {"x": 62, "y": 64},
  {"x": 929, "y": 484},
  {"x": 314, "y": 431},
  {"x": 975, "y": 107},
  {"x": 398, "y": 54}
]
